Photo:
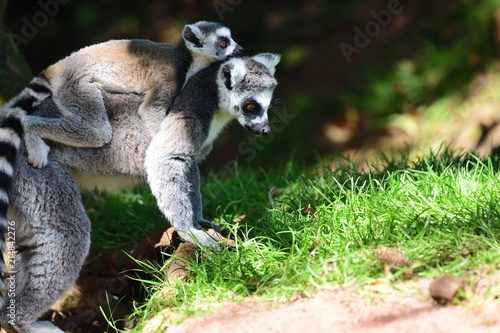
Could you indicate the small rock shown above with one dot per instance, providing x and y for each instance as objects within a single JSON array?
[{"x": 444, "y": 289}]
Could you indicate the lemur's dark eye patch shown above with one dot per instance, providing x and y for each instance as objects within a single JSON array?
[
  {"x": 223, "y": 42},
  {"x": 251, "y": 107}
]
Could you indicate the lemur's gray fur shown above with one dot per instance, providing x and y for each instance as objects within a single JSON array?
[
  {"x": 76, "y": 83},
  {"x": 48, "y": 231},
  {"x": 53, "y": 230}
]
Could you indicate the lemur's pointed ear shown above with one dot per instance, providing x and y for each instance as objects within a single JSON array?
[
  {"x": 270, "y": 60},
  {"x": 192, "y": 36},
  {"x": 233, "y": 72}
]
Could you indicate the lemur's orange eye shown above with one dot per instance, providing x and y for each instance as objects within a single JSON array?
[
  {"x": 223, "y": 42},
  {"x": 252, "y": 106}
]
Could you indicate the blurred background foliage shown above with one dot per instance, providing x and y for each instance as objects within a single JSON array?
[{"x": 427, "y": 78}]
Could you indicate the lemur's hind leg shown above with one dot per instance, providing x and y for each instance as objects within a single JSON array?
[
  {"x": 48, "y": 270},
  {"x": 52, "y": 239},
  {"x": 83, "y": 122}
]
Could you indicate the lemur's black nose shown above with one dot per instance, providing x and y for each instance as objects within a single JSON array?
[
  {"x": 238, "y": 50},
  {"x": 266, "y": 130}
]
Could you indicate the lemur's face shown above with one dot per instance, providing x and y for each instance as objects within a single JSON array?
[
  {"x": 211, "y": 40},
  {"x": 246, "y": 88}
]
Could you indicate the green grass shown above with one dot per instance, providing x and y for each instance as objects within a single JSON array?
[
  {"x": 121, "y": 219},
  {"x": 441, "y": 210}
]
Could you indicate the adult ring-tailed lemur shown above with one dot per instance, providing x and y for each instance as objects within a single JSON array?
[
  {"x": 76, "y": 83},
  {"x": 52, "y": 230}
]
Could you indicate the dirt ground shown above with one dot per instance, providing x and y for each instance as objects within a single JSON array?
[
  {"x": 381, "y": 306},
  {"x": 336, "y": 311},
  {"x": 378, "y": 308}
]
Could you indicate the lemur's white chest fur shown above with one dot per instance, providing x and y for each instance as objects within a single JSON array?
[{"x": 219, "y": 121}]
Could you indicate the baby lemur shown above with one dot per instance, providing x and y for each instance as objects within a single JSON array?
[{"x": 52, "y": 229}]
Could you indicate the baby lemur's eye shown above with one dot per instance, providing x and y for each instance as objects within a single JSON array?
[
  {"x": 250, "y": 107},
  {"x": 223, "y": 42}
]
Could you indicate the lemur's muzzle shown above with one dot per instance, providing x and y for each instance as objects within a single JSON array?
[
  {"x": 259, "y": 129},
  {"x": 238, "y": 50}
]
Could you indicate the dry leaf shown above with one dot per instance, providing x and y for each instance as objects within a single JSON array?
[
  {"x": 239, "y": 219},
  {"x": 224, "y": 241},
  {"x": 309, "y": 211},
  {"x": 168, "y": 238},
  {"x": 381, "y": 286}
]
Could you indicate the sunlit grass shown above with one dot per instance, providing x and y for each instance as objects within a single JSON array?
[{"x": 440, "y": 210}]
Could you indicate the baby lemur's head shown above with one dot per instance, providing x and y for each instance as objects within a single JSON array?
[
  {"x": 210, "y": 40},
  {"x": 246, "y": 88}
]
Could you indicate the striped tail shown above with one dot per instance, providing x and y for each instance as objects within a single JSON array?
[{"x": 11, "y": 133}]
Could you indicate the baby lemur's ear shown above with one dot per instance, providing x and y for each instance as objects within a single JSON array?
[
  {"x": 233, "y": 72},
  {"x": 193, "y": 36},
  {"x": 270, "y": 60}
]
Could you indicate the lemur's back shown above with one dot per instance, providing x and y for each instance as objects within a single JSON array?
[{"x": 119, "y": 66}]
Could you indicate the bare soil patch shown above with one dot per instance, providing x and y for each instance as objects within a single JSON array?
[{"x": 342, "y": 311}]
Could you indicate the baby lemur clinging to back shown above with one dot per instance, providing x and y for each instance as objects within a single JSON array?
[{"x": 52, "y": 230}]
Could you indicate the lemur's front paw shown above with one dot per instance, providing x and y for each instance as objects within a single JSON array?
[
  {"x": 200, "y": 237},
  {"x": 38, "y": 152},
  {"x": 208, "y": 225}
]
